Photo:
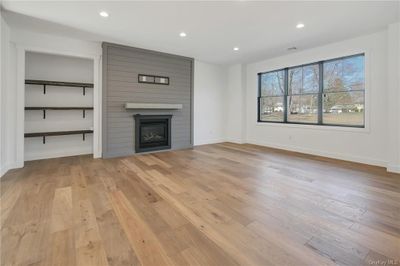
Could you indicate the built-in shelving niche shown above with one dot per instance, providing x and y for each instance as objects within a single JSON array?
[{"x": 58, "y": 103}]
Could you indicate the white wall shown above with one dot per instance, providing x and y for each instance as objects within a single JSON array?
[
  {"x": 393, "y": 67},
  {"x": 3, "y": 52},
  {"x": 209, "y": 103},
  {"x": 59, "y": 68},
  {"x": 235, "y": 98},
  {"x": 367, "y": 145},
  {"x": 8, "y": 99}
]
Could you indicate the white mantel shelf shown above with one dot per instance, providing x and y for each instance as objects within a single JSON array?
[{"x": 162, "y": 106}]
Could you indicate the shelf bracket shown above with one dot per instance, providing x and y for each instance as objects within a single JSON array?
[
  {"x": 44, "y": 113},
  {"x": 84, "y": 90},
  {"x": 44, "y": 139},
  {"x": 83, "y": 136},
  {"x": 44, "y": 88},
  {"x": 84, "y": 113}
]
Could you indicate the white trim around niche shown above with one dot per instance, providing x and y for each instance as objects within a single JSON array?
[{"x": 97, "y": 97}]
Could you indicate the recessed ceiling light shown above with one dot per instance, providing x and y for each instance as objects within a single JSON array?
[
  {"x": 182, "y": 34},
  {"x": 104, "y": 14},
  {"x": 300, "y": 25},
  {"x": 235, "y": 48}
]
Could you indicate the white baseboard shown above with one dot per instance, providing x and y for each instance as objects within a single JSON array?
[
  {"x": 346, "y": 157},
  {"x": 8, "y": 166},
  {"x": 3, "y": 170},
  {"x": 208, "y": 141},
  {"x": 237, "y": 141},
  {"x": 56, "y": 154},
  {"x": 393, "y": 168}
]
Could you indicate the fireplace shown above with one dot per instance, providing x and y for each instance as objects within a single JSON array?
[{"x": 152, "y": 132}]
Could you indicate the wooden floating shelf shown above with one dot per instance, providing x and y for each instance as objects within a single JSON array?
[
  {"x": 46, "y": 83},
  {"x": 58, "y": 108},
  {"x": 57, "y": 133},
  {"x": 44, "y": 108},
  {"x": 58, "y": 83}
]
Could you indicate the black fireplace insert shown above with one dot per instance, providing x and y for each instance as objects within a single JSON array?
[{"x": 152, "y": 132}]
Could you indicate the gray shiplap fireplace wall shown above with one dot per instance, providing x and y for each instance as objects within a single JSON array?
[{"x": 121, "y": 66}]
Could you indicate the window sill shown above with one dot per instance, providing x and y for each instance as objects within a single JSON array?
[{"x": 315, "y": 127}]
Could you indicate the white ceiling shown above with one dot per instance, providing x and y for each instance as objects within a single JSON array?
[{"x": 260, "y": 29}]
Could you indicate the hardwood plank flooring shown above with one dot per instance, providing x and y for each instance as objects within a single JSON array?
[{"x": 220, "y": 204}]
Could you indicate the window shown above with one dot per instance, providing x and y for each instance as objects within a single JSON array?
[
  {"x": 343, "y": 98},
  {"x": 303, "y": 93},
  {"x": 272, "y": 96},
  {"x": 329, "y": 92}
]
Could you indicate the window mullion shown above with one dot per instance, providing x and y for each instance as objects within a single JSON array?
[
  {"x": 259, "y": 99},
  {"x": 320, "y": 92},
  {"x": 285, "y": 96}
]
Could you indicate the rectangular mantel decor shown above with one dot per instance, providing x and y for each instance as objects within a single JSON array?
[{"x": 152, "y": 79}]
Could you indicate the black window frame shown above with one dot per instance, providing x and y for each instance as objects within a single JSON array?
[{"x": 320, "y": 94}]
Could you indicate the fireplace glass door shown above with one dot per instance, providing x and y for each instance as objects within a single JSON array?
[{"x": 153, "y": 134}]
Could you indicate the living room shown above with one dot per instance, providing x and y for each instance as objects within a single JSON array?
[{"x": 200, "y": 133}]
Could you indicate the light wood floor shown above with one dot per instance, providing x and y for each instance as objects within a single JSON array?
[{"x": 222, "y": 204}]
